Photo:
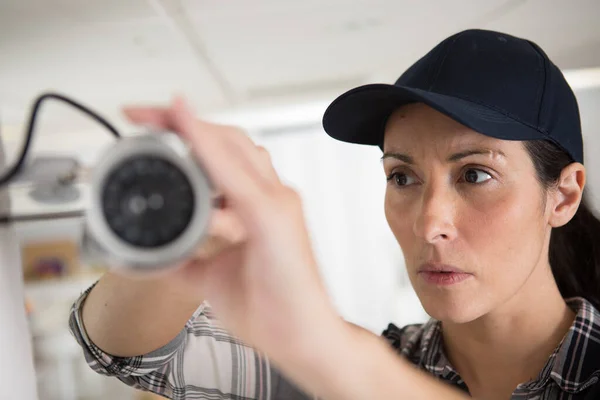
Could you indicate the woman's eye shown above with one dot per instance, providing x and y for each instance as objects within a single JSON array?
[
  {"x": 473, "y": 175},
  {"x": 400, "y": 179}
]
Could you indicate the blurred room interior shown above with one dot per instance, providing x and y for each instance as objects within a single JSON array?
[{"x": 270, "y": 67}]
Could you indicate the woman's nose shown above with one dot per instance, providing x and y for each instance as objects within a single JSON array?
[{"x": 435, "y": 219}]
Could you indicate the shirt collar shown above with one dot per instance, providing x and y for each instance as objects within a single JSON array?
[
  {"x": 432, "y": 355},
  {"x": 574, "y": 365}
]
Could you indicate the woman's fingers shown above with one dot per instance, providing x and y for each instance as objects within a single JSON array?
[
  {"x": 227, "y": 225},
  {"x": 158, "y": 117},
  {"x": 263, "y": 160},
  {"x": 228, "y": 148},
  {"x": 225, "y": 231},
  {"x": 238, "y": 168},
  {"x": 163, "y": 118}
]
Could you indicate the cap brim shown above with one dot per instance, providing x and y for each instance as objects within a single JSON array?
[{"x": 360, "y": 115}]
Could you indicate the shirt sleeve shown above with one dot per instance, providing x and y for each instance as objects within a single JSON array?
[{"x": 202, "y": 361}]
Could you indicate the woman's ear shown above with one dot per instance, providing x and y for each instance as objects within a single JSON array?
[{"x": 566, "y": 196}]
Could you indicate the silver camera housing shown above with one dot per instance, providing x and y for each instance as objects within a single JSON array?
[{"x": 100, "y": 240}]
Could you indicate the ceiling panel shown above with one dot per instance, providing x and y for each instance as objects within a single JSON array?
[
  {"x": 110, "y": 52},
  {"x": 567, "y": 30},
  {"x": 75, "y": 11},
  {"x": 298, "y": 43},
  {"x": 103, "y": 55}
]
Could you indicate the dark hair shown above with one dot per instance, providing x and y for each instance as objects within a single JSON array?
[{"x": 574, "y": 249}]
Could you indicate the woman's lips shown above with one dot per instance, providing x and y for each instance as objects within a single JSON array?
[
  {"x": 444, "y": 278},
  {"x": 442, "y": 275}
]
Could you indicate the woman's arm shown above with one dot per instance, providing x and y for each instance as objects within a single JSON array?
[
  {"x": 356, "y": 365},
  {"x": 201, "y": 361},
  {"x": 268, "y": 291},
  {"x": 127, "y": 317}
]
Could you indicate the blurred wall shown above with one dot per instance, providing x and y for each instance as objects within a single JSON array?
[{"x": 589, "y": 104}]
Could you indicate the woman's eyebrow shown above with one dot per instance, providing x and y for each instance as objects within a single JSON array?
[
  {"x": 480, "y": 151},
  {"x": 398, "y": 156},
  {"x": 453, "y": 158}
]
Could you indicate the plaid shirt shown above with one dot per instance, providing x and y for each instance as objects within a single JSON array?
[
  {"x": 571, "y": 372},
  {"x": 205, "y": 362},
  {"x": 202, "y": 362}
]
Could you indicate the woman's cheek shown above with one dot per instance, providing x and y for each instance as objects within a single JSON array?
[{"x": 400, "y": 212}]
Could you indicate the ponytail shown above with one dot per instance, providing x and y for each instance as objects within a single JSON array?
[{"x": 575, "y": 247}]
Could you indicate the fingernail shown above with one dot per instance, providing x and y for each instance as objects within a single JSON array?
[{"x": 180, "y": 102}]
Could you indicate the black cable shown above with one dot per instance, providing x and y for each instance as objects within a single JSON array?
[
  {"x": 14, "y": 170},
  {"x": 7, "y": 219}
]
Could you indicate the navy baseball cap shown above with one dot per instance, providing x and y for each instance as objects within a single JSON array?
[{"x": 496, "y": 84}]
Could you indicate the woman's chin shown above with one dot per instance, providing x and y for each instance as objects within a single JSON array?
[{"x": 451, "y": 309}]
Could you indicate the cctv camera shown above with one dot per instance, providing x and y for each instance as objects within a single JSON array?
[{"x": 150, "y": 203}]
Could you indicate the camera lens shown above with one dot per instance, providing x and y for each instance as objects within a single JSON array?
[{"x": 147, "y": 201}]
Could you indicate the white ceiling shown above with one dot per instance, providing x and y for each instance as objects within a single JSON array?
[{"x": 229, "y": 55}]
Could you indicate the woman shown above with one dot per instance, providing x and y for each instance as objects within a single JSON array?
[{"x": 484, "y": 162}]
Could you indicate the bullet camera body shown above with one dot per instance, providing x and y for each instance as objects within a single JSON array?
[{"x": 150, "y": 203}]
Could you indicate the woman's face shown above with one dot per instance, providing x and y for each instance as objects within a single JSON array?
[{"x": 457, "y": 201}]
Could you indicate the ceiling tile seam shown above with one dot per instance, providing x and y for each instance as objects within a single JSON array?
[{"x": 174, "y": 16}]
